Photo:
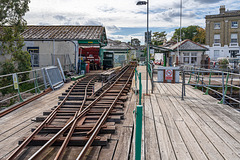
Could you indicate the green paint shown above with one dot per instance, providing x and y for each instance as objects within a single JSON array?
[
  {"x": 19, "y": 94},
  {"x": 197, "y": 81},
  {"x": 140, "y": 88},
  {"x": 190, "y": 77},
  {"x": 138, "y": 136},
  {"x": 165, "y": 60},
  {"x": 88, "y": 42},
  {"x": 226, "y": 86},
  {"x": 77, "y": 77},
  {"x": 206, "y": 93},
  {"x": 136, "y": 80}
]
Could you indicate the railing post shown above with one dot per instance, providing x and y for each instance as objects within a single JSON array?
[
  {"x": 140, "y": 88},
  {"x": 190, "y": 77},
  {"x": 16, "y": 86},
  {"x": 224, "y": 90},
  {"x": 135, "y": 81},
  {"x": 209, "y": 83},
  {"x": 138, "y": 136},
  {"x": 197, "y": 81},
  {"x": 183, "y": 84}
]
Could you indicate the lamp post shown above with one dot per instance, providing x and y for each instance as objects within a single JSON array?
[{"x": 146, "y": 3}]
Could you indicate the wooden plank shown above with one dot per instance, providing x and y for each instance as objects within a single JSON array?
[
  {"x": 179, "y": 146},
  {"x": 107, "y": 152},
  {"x": 123, "y": 147},
  {"x": 213, "y": 132},
  {"x": 166, "y": 149},
  {"x": 151, "y": 145}
]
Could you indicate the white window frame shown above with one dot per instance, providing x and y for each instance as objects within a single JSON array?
[
  {"x": 216, "y": 40},
  {"x": 234, "y": 40},
  {"x": 217, "y": 25},
  {"x": 189, "y": 57},
  {"x": 234, "y": 24}
]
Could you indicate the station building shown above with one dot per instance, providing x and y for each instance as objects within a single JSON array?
[
  {"x": 223, "y": 33},
  {"x": 68, "y": 43}
]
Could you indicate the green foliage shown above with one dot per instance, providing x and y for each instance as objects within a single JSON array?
[
  {"x": 194, "y": 33},
  {"x": 223, "y": 63},
  {"x": 12, "y": 25},
  {"x": 158, "y": 38},
  {"x": 135, "y": 42}
]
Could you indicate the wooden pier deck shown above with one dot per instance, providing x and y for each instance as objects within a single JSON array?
[{"x": 194, "y": 128}]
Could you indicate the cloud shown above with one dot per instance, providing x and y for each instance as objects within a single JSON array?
[
  {"x": 60, "y": 17},
  {"x": 169, "y": 15},
  {"x": 208, "y": 1}
]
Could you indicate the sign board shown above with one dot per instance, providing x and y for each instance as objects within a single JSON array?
[
  {"x": 169, "y": 74},
  {"x": 15, "y": 81}
]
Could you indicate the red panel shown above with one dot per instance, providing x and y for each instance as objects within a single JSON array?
[{"x": 91, "y": 54}]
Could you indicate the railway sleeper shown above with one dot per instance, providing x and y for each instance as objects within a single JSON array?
[
  {"x": 72, "y": 113},
  {"x": 74, "y": 97},
  {"x": 74, "y": 141},
  {"x": 111, "y": 118},
  {"x": 78, "y": 130}
]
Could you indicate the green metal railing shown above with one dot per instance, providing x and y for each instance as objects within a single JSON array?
[
  {"x": 220, "y": 77},
  {"x": 138, "y": 76},
  {"x": 138, "y": 115}
]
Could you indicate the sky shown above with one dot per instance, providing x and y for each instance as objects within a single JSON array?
[{"x": 123, "y": 19}]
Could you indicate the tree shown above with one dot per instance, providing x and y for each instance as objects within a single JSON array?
[
  {"x": 12, "y": 25},
  {"x": 200, "y": 36},
  {"x": 158, "y": 38},
  {"x": 135, "y": 42},
  {"x": 194, "y": 33}
]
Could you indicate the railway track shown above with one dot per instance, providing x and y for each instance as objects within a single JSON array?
[{"x": 82, "y": 118}]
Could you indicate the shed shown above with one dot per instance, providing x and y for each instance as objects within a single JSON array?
[
  {"x": 46, "y": 43},
  {"x": 187, "y": 52}
]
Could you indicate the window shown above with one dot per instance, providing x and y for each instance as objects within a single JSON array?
[
  {"x": 190, "y": 58},
  {"x": 216, "y": 54},
  {"x": 234, "y": 24},
  {"x": 216, "y": 38},
  {"x": 234, "y": 38},
  {"x": 217, "y": 25},
  {"x": 194, "y": 57},
  {"x": 34, "y": 52}
]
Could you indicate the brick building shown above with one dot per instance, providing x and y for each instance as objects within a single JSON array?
[{"x": 223, "y": 33}]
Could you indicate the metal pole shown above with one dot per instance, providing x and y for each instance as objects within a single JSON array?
[
  {"x": 138, "y": 136},
  {"x": 223, "y": 98},
  {"x": 140, "y": 88},
  {"x": 180, "y": 21},
  {"x": 182, "y": 85},
  {"x": 147, "y": 47}
]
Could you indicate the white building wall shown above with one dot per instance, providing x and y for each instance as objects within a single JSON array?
[
  {"x": 46, "y": 48},
  {"x": 223, "y": 51}
]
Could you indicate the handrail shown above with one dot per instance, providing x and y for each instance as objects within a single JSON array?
[
  {"x": 138, "y": 76},
  {"x": 36, "y": 77},
  {"x": 222, "y": 79}
]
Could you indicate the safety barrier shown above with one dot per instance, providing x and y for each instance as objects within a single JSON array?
[
  {"x": 138, "y": 115},
  {"x": 14, "y": 88},
  {"x": 213, "y": 80}
]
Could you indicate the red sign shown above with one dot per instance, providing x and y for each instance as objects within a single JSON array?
[{"x": 168, "y": 74}]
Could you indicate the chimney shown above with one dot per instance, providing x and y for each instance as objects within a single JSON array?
[{"x": 222, "y": 9}]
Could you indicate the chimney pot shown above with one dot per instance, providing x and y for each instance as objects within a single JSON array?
[{"x": 222, "y": 9}]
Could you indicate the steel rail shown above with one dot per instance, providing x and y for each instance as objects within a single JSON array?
[
  {"x": 103, "y": 119},
  {"x": 69, "y": 135},
  {"x": 37, "y": 130},
  {"x": 69, "y": 124}
]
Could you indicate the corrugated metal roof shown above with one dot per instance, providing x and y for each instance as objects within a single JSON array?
[{"x": 64, "y": 32}]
